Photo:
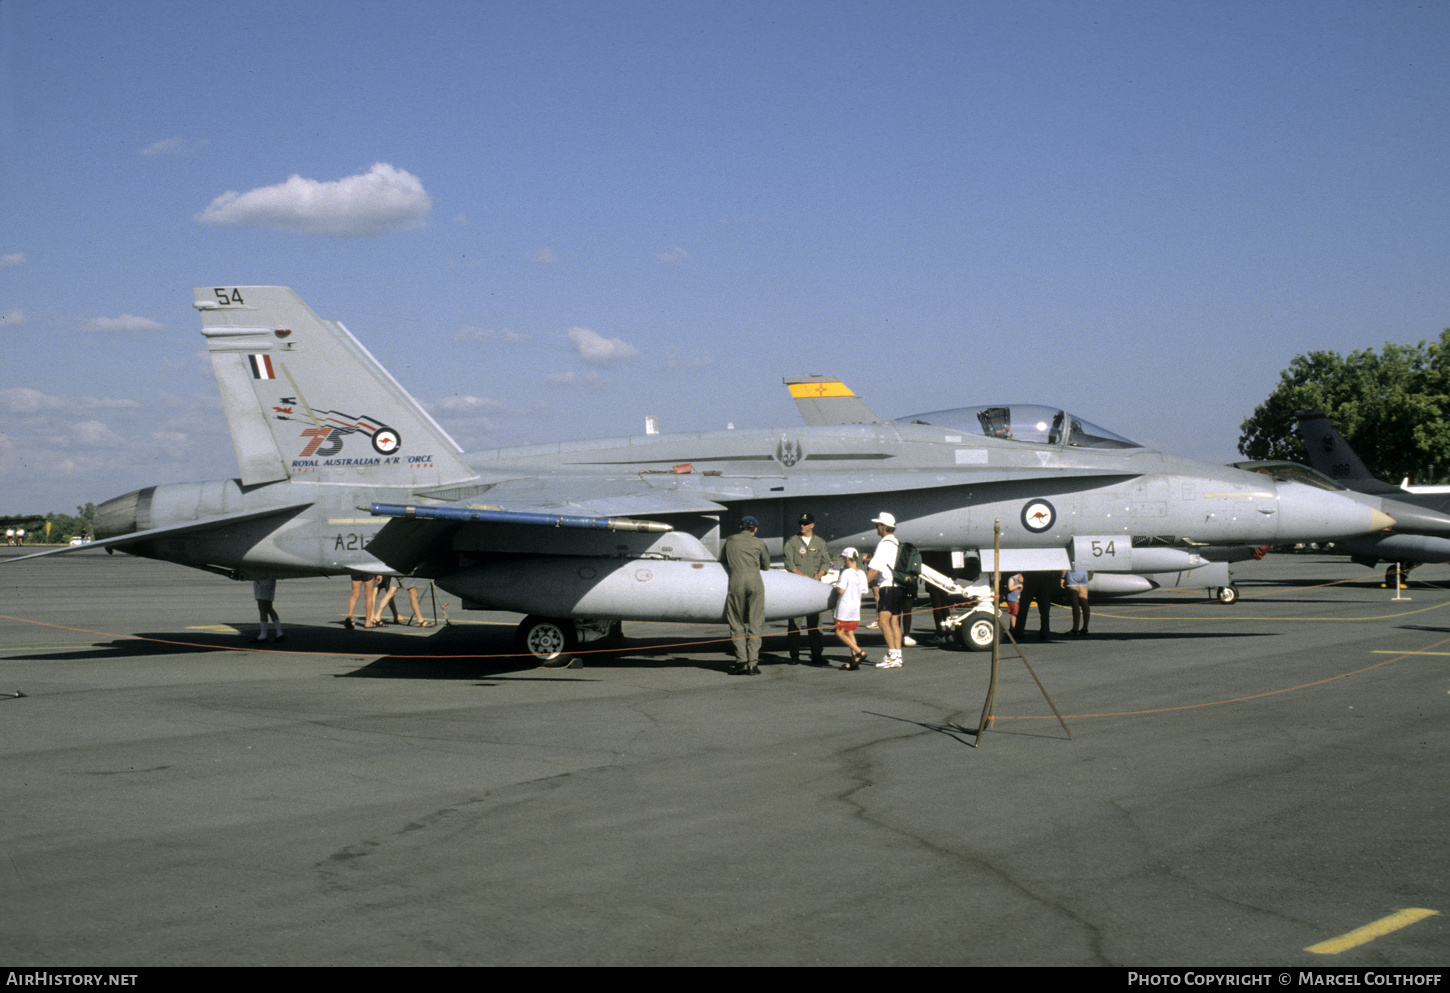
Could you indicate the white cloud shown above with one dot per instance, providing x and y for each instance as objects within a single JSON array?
[
  {"x": 675, "y": 256},
  {"x": 173, "y": 146},
  {"x": 570, "y": 379},
  {"x": 673, "y": 360},
  {"x": 198, "y": 361},
  {"x": 546, "y": 255},
  {"x": 24, "y": 401},
  {"x": 467, "y": 418},
  {"x": 380, "y": 200},
  {"x": 93, "y": 434},
  {"x": 465, "y": 406},
  {"x": 124, "y": 323},
  {"x": 12, "y": 260},
  {"x": 63, "y": 450},
  {"x": 12, "y": 319},
  {"x": 598, "y": 350},
  {"x": 471, "y": 333},
  {"x": 175, "y": 444}
]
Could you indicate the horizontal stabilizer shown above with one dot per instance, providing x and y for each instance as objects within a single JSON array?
[{"x": 190, "y": 527}]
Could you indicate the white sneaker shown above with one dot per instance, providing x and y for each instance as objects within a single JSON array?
[
  {"x": 889, "y": 663},
  {"x": 908, "y": 641}
]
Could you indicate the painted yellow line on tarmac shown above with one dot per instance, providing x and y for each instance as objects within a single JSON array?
[
  {"x": 1377, "y": 929},
  {"x": 224, "y": 628},
  {"x": 1384, "y": 651},
  {"x": 1145, "y": 614}
]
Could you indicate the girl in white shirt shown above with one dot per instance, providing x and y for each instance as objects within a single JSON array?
[{"x": 850, "y": 587}]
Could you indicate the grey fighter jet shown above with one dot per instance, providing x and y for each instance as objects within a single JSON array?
[
  {"x": 827, "y": 400},
  {"x": 1422, "y": 534},
  {"x": 342, "y": 470}
]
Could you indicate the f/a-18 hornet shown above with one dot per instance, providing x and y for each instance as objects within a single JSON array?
[
  {"x": 1422, "y": 525},
  {"x": 342, "y": 470}
]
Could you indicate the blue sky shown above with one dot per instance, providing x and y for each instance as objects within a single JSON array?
[{"x": 549, "y": 220}]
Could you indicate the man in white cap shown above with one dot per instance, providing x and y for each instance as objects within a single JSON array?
[{"x": 881, "y": 575}]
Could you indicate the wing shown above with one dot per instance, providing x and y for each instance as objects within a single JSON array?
[
  {"x": 138, "y": 538},
  {"x": 550, "y": 516}
]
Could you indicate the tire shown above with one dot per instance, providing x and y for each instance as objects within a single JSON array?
[
  {"x": 545, "y": 639},
  {"x": 1228, "y": 594},
  {"x": 978, "y": 632}
]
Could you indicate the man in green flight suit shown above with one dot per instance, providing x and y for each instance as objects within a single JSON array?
[
  {"x": 806, "y": 555},
  {"x": 745, "y": 557}
]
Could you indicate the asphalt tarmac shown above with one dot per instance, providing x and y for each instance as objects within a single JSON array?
[{"x": 1243, "y": 782}]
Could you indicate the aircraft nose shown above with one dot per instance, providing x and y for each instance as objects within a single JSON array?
[
  {"x": 1307, "y": 513},
  {"x": 1410, "y": 519}
]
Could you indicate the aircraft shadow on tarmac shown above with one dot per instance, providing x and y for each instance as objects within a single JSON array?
[
  {"x": 1306, "y": 584},
  {"x": 469, "y": 655},
  {"x": 1427, "y": 628},
  {"x": 147, "y": 645},
  {"x": 468, "y": 652},
  {"x": 1124, "y": 634},
  {"x": 472, "y": 653},
  {"x": 302, "y": 639}
]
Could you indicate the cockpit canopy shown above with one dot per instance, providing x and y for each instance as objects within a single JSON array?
[
  {"x": 1291, "y": 472},
  {"x": 1027, "y": 422}
]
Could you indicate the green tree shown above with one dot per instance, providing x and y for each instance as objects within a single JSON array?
[
  {"x": 1391, "y": 406},
  {"x": 62, "y": 527}
]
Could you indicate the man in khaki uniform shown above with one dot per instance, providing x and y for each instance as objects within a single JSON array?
[
  {"x": 806, "y": 555},
  {"x": 745, "y": 557}
]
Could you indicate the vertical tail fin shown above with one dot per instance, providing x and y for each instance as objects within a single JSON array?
[
  {"x": 827, "y": 400},
  {"x": 1331, "y": 454},
  {"x": 305, "y": 401}
]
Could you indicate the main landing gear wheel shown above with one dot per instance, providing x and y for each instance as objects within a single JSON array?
[
  {"x": 977, "y": 632},
  {"x": 546, "y": 639},
  {"x": 1228, "y": 594}
]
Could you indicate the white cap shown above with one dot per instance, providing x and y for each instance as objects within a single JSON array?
[
  {"x": 849, "y": 553},
  {"x": 885, "y": 518}
]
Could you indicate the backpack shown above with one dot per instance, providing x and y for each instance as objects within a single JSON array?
[{"x": 908, "y": 564}]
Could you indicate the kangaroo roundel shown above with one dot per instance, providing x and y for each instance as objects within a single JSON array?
[
  {"x": 1038, "y": 516},
  {"x": 386, "y": 441}
]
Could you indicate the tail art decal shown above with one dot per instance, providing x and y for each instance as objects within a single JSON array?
[{"x": 273, "y": 357}]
